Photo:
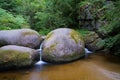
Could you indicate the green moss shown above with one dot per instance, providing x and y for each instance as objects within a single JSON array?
[
  {"x": 66, "y": 57},
  {"x": 76, "y": 36},
  {"x": 49, "y": 35},
  {"x": 51, "y": 48},
  {"x": 14, "y": 58},
  {"x": 83, "y": 32},
  {"x": 28, "y": 33}
]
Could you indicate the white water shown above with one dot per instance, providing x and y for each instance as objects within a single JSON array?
[
  {"x": 87, "y": 52},
  {"x": 40, "y": 52}
]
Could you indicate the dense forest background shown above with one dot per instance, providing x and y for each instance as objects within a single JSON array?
[{"x": 100, "y": 16}]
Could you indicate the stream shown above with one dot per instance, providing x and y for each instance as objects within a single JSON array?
[{"x": 95, "y": 67}]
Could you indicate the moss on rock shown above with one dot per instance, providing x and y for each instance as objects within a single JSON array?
[
  {"x": 17, "y": 56},
  {"x": 21, "y": 37},
  {"x": 63, "y": 45},
  {"x": 28, "y": 33},
  {"x": 93, "y": 42},
  {"x": 76, "y": 36},
  {"x": 14, "y": 58},
  {"x": 49, "y": 35}
]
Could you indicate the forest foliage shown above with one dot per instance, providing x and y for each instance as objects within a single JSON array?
[{"x": 46, "y": 15}]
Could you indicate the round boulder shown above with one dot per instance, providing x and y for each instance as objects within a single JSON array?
[
  {"x": 13, "y": 56},
  {"x": 63, "y": 45},
  {"x": 22, "y": 37}
]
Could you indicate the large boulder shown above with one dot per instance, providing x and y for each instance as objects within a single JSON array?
[
  {"x": 13, "y": 56},
  {"x": 93, "y": 42},
  {"x": 63, "y": 45},
  {"x": 22, "y": 37}
]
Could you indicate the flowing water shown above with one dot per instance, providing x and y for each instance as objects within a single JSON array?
[
  {"x": 40, "y": 51},
  {"x": 94, "y": 67}
]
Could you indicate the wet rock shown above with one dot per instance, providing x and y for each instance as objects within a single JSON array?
[
  {"x": 13, "y": 56},
  {"x": 93, "y": 42},
  {"x": 22, "y": 37},
  {"x": 63, "y": 45}
]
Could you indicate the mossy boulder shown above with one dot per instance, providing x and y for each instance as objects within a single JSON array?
[
  {"x": 63, "y": 45},
  {"x": 93, "y": 42},
  {"x": 22, "y": 37},
  {"x": 13, "y": 56}
]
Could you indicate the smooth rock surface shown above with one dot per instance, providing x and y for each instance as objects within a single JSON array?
[
  {"x": 22, "y": 37},
  {"x": 63, "y": 45}
]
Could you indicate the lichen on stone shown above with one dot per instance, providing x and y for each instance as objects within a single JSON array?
[
  {"x": 53, "y": 46},
  {"x": 50, "y": 48},
  {"x": 49, "y": 35},
  {"x": 14, "y": 58},
  {"x": 63, "y": 45},
  {"x": 75, "y": 36},
  {"x": 28, "y": 33}
]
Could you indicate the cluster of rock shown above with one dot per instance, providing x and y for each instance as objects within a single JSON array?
[
  {"x": 93, "y": 42},
  {"x": 18, "y": 47}
]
